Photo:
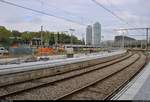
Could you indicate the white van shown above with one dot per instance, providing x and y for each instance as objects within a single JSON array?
[{"x": 3, "y": 50}]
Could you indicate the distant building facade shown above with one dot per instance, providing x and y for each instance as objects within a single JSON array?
[
  {"x": 96, "y": 33},
  {"x": 126, "y": 39},
  {"x": 89, "y": 35}
]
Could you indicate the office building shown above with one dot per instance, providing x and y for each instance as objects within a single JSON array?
[
  {"x": 89, "y": 35},
  {"x": 96, "y": 33}
]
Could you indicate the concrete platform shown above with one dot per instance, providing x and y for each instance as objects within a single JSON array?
[
  {"x": 13, "y": 68},
  {"x": 138, "y": 88},
  {"x": 10, "y": 74}
]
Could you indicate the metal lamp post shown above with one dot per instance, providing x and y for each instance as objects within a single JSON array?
[
  {"x": 65, "y": 32},
  {"x": 71, "y": 39}
]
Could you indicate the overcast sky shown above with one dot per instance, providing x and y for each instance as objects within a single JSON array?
[{"x": 135, "y": 12}]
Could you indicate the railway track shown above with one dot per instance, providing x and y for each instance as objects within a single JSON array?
[
  {"x": 68, "y": 85},
  {"x": 17, "y": 74},
  {"x": 28, "y": 85},
  {"x": 105, "y": 89}
]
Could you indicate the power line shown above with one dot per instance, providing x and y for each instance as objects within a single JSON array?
[
  {"x": 44, "y": 13},
  {"x": 69, "y": 13},
  {"x": 135, "y": 35},
  {"x": 112, "y": 5},
  {"x": 55, "y": 7},
  {"x": 142, "y": 28},
  {"x": 111, "y": 11},
  {"x": 52, "y": 6},
  {"x": 118, "y": 10},
  {"x": 99, "y": 4}
]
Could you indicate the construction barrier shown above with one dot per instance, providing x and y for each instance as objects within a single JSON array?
[
  {"x": 20, "y": 51},
  {"x": 45, "y": 51}
]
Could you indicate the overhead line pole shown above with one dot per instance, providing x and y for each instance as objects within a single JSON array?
[
  {"x": 147, "y": 39},
  {"x": 41, "y": 40},
  {"x": 144, "y": 28},
  {"x": 41, "y": 36}
]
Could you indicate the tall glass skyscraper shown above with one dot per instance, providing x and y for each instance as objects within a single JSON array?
[
  {"x": 96, "y": 33},
  {"x": 89, "y": 35}
]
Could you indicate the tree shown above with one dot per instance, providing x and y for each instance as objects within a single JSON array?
[
  {"x": 4, "y": 33},
  {"x": 27, "y": 36},
  {"x": 7, "y": 37},
  {"x": 51, "y": 39},
  {"x": 16, "y": 33},
  {"x": 4, "y": 36}
]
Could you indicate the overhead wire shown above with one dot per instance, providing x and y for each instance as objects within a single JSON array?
[
  {"x": 113, "y": 6},
  {"x": 41, "y": 12},
  {"x": 62, "y": 10},
  {"x": 115, "y": 15},
  {"x": 54, "y": 7},
  {"x": 127, "y": 23}
]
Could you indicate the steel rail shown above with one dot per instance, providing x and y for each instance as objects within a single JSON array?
[
  {"x": 45, "y": 84},
  {"x": 94, "y": 82}
]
